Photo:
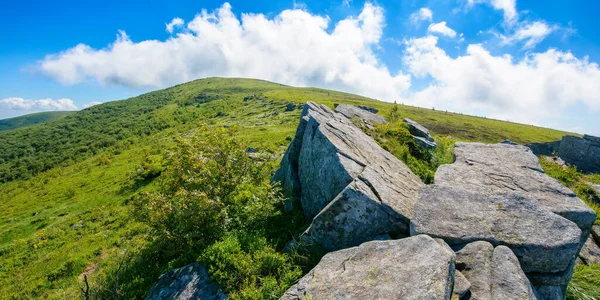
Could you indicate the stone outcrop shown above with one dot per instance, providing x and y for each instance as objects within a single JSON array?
[
  {"x": 411, "y": 268},
  {"x": 544, "y": 241},
  {"x": 367, "y": 117},
  {"x": 547, "y": 149},
  {"x": 581, "y": 152},
  {"x": 189, "y": 282},
  {"x": 421, "y": 134},
  {"x": 499, "y": 193},
  {"x": 351, "y": 188}
]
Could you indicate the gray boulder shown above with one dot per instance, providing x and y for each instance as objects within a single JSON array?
[
  {"x": 474, "y": 262},
  {"x": 352, "y": 188},
  {"x": 499, "y": 168},
  {"x": 590, "y": 253},
  {"x": 555, "y": 159},
  {"x": 189, "y": 282},
  {"x": 367, "y": 117},
  {"x": 547, "y": 149},
  {"x": 290, "y": 106},
  {"x": 411, "y": 268},
  {"x": 368, "y": 108},
  {"x": 543, "y": 241},
  {"x": 508, "y": 280},
  {"x": 581, "y": 152}
]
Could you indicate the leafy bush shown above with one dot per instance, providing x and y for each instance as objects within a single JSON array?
[{"x": 209, "y": 186}]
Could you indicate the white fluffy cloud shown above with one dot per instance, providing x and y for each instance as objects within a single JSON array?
[
  {"x": 423, "y": 14},
  {"x": 531, "y": 33},
  {"x": 509, "y": 8},
  {"x": 442, "y": 29},
  {"x": 20, "y": 104},
  {"x": 176, "y": 22},
  {"x": 529, "y": 90},
  {"x": 294, "y": 47}
]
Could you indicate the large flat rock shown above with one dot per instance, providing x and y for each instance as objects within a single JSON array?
[
  {"x": 501, "y": 168},
  {"x": 412, "y": 268},
  {"x": 352, "y": 188},
  {"x": 189, "y": 282},
  {"x": 543, "y": 241},
  {"x": 366, "y": 117}
]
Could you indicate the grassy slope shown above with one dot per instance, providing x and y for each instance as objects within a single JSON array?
[
  {"x": 32, "y": 119},
  {"x": 72, "y": 218}
]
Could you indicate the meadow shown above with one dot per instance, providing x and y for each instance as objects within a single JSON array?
[{"x": 67, "y": 186}]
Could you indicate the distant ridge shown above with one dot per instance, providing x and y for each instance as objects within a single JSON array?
[{"x": 32, "y": 119}]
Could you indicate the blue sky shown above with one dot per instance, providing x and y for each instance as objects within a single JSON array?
[{"x": 534, "y": 62}]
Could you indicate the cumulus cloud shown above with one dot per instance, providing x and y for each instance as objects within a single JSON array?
[
  {"x": 538, "y": 86},
  {"x": 442, "y": 29},
  {"x": 509, "y": 8},
  {"x": 531, "y": 33},
  {"x": 293, "y": 47},
  {"x": 423, "y": 14},
  {"x": 92, "y": 104},
  {"x": 176, "y": 22},
  {"x": 20, "y": 104}
]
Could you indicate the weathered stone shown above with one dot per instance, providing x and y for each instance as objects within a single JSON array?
[
  {"x": 417, "y": 129},
  {"x": 508, "y": 280},
  {"x": 411, "y": 268},
  {"x": 584, "y": 153},
  {"x": 461, "y": 286},
  {"x": 593, "y": 139},
  {"x": 473, "y": 260},
  {"x": 366, "y": 117},
  {"x": 352, "y": 188},
  {"x": 368, "y": 108},
  {"x": 555, "y": 159},
  {"x": 555, "y": 279},
  {"x": 189, "y": 282},
  {"x": 547, "y": 149},
  {"x": 543, "y": 241},
  {"x": 499, "y": 168},
  {"x": 424, "y": 143},
  {"x": 290, "y": 106},
  {"x": 590, "y": 253}
]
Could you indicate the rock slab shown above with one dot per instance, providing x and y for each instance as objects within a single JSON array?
[
  {"x": 412, "y": 268},
  {"x": 189, "y": 282},
  {"x": 367, "y": 116},
  {"x": 351, "y": 188},
  {"x": 543, "y": 241},
  {"x": 508, "y": 280},
  {"x": 581, "y": 152}
]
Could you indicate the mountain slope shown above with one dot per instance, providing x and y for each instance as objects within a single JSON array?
[
  {"x": 65, "y": 185},
  {"x": 32, "y": 119}
]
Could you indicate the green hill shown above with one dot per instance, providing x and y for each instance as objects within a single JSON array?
[
  {"x": 32, "y": 119},
  {"x": 66, "y": 186}
]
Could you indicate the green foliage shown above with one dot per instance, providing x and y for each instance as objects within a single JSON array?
[
  {"x": 585, "y": 283},
  {"x": 210, "y": 186},
  {"x": 395, "y": 138},
  {"x": 576, "y": 181},
  {"x": 247, "y": 267}
]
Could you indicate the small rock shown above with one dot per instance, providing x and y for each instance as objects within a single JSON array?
[
  {"x": 424, "y": 143},
  {"x": 590, "y": 253},
  {"x": 556, "y": 160},
  {"x": 368, "y": 108},
  {"x": 189, "y": 282},
  {"x": 461, "y": 286},
  {"x": 508, "y": 142},
  {"x": 251, "y": 150},
  {"x": 474, "y": 262},
  {"x": 417, "y": 129},
  {"x": 290, "y": 107}
]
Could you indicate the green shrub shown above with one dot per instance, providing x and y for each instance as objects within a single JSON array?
[
  {"x": 209, "y": 187},
  {"x": 247, "y": 267}
]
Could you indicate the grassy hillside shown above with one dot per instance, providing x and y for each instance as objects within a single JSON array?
[
  {"x": 65, "y": 186},
  {"x": 32, "y": 119}
]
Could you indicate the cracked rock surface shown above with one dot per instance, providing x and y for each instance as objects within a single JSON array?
[
  {"x": 411, "y": 268},
  {"x": 352, "y": 188}
]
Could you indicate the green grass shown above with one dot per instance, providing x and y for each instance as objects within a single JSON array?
[
  {"x": 65, "y": 210},
  {"x": 32, "y": 119}
]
